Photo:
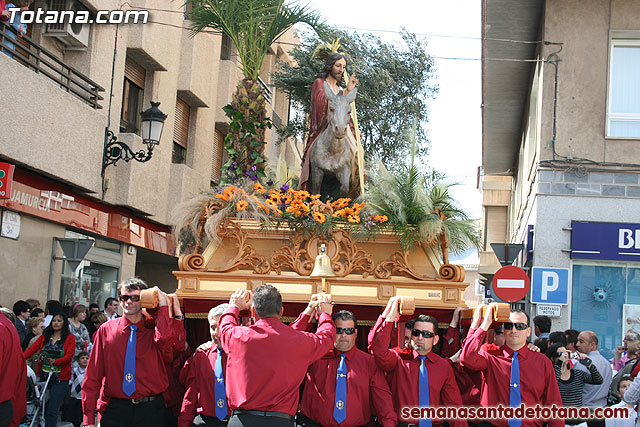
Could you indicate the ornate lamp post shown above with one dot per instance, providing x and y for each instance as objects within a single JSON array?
[{"x": 152, "y": 125}]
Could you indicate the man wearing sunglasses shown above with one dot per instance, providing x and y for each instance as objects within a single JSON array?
[
  {"x": 422, "y": 380},
  {"x": 345, "y": 387},
  {"x": 513, "y": 375},
  {"x": 125, "y": 368}
]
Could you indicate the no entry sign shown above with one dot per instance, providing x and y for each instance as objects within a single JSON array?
[{"x": 511, "y": 283}]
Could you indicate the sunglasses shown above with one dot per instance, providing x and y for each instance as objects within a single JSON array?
[
  {"x": 425, "y": 334},
  {"x": 518, "y": 325},
  {"x": 132, "y": 298},
  {"x": 348, "y": 331}
]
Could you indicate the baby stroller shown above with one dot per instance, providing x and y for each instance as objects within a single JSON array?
[{"x": 36, "y": 395}]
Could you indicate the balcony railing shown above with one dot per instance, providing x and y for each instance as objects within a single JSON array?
[
  {"x": 41, "y": 61},
  {"x": 266, "y": 91}
]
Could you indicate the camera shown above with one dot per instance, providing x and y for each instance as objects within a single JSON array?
[{"x": 574, "y": 355}]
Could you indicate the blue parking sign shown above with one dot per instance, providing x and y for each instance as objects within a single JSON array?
[{"x": 550, "y": 285}]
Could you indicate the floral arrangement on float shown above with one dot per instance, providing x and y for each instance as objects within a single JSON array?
[{"x": 272, "y": 207}]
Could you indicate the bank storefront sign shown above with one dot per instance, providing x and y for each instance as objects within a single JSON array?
[
  {"x": 605, "y": 240},
  {"x": 605, "y": 276}
]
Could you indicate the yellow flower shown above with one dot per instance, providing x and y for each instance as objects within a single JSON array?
[
  {"x": 319, "y": 217},
  {"x": 354, "y": 219},
  {"x": 259, "y": 188},
  {"x": 242, "y": 205},
  {"x": 380, "y": 218}
]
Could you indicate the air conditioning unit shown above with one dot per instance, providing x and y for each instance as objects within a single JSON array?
[{"x": 74, "y": 36}]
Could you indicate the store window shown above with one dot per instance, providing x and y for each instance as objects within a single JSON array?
[
  {"x": 96, "y": 277},
  {"x": 598, "y": 298},
  {"x": 90, "y": 282}
]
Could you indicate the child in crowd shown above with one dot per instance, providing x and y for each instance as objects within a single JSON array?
[
  {"x": 72, "y": 411},
  {"x": 623, "y": 385}
]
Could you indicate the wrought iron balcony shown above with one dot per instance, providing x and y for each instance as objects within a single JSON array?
[{"x": 41, "y": 61}]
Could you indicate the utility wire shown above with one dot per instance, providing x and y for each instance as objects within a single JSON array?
[{"x": 374, "y": 30}]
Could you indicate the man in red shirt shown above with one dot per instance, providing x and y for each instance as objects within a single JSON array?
[
  {"x": 422, "y": 380},
  {"x": 200, "y": 400},
  {"x": 268, "y": 360},
  {"x": 126, "y": 367},
  {"x": 512, "y": 374},
  {"x": 364, "y": 386},
  {"x": 13, "y": 381}
]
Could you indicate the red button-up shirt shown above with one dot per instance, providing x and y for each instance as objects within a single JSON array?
[
  {"x": 13, "y": 381},
  {"x": 106, "y": 362},
  {"x": 268, "y": 361},
  {"x": 199, "y": 377},
  {"x": 537, "y": 377},
  {"x": 404, "y": 374},
  {"x": 367, "y": 389}
]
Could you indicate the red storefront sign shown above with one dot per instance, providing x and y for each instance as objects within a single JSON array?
[
  {"x": 6, "y": 179},
  {"x": 44, "y": 198}
]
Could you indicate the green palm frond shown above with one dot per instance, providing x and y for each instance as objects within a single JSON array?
[{"x": 252, "y": 25}]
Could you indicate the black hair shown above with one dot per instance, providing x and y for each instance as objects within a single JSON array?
[
  {"x": 52, "y": 306},
  {"x": 93, "y": 305},
  {"x": 20, "y": 307},
  {"x": 108, "y": 302},
  {"x": 345, "y": 315},
  {"x": 542, "y": 344},
  {"x": 558, "y": 337},
  {"x": 36, "y": 311},
  {"x": 331, "y": 59},
  {"x": 267, "y": 301},
  {"x": 543, "y": 323},
  {"x": 552, "y": 351},
  {"x": 64, "y": 332},
  {"x": 409, "y": 324},
  {"x": 133, "y": 284},
  {"x": 82, "y": 353},
  {"x": 499, "y": 330},
  {"x": 427, "y": 319},
  {"x": 572, "y": 336}
]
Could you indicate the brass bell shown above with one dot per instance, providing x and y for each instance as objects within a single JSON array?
[{"x": 322, "y": 266}]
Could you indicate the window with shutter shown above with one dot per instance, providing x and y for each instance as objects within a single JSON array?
[
  {"x": 132, "y": 97},
  {"x": 216, "y": 159},
  {"x": 180, "y": 131}
]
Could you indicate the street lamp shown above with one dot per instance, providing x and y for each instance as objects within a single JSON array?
[{"x": 152, "y": 125}]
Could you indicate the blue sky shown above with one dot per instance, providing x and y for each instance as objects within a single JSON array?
[{"x": 452, "y": 30}]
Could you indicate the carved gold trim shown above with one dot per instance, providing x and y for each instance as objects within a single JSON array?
[{"x": 398, "y": 263}]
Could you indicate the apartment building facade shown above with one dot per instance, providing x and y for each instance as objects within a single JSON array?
[
  {"x": 64, "y": 87},
  {"x": 561, "y": 156}
]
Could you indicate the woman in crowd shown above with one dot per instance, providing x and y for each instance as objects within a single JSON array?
[
  {"x": 97, "y": 319},
  {"x": 35, "y": 326},
  {"x": 571, "y": 381},
  {"x": 79, "y": 330},
  {"x": 57, "y": 345}
]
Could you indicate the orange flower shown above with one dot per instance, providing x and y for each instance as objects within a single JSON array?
[
  {"x": 354, "y": 219},
  {"x": 242, "y": 205},
  {"x": 339, "y": 213},
  {"x": 301, "y": 195},
  {"x": 315, "y": 196},
  {"x": 263, "y": 207},
  {"x": 259, "y": 188},
  {"x": 228, "y": 192},
  {"x": 380, "y": 218},
  {"x": 319, "y": 217},
  {"x": 222, "y": 196}
]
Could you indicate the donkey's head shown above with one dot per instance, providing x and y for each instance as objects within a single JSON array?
[{"x": 339, "y": 110}]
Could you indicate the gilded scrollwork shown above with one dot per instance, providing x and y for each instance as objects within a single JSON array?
[{"x": 398, "y": 263}]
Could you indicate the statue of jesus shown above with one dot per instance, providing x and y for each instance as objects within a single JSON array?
[{"x": 332, "y": 73}]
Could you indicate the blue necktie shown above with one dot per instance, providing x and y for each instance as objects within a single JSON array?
[
  {"x": 218, "y": 388},
  {"x": 340, "y": 408},
  {"x": 129, "y": 379},
  {"x": 515, "y": 397},
  {"x": 423, "y": 390}
]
